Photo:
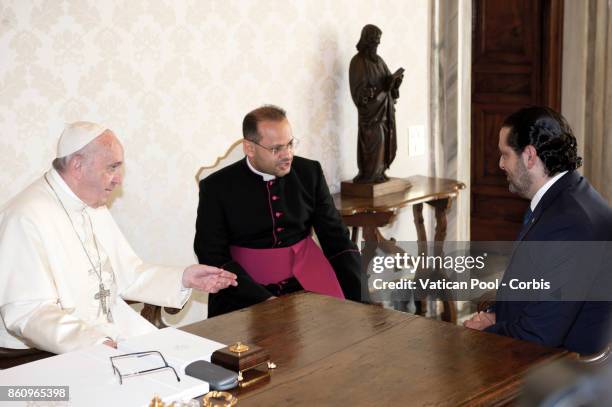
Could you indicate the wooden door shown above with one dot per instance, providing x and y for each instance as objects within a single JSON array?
[{"x": 516, "y": 62}]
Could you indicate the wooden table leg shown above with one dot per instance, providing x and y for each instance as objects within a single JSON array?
[
  {"x": 441, "y": 207},
  {"x": 372, "y": 238},
  {"x": 355, "y": 234},
  {"x": 370, "y": 243},
  {"x": 419, "y": 223}
]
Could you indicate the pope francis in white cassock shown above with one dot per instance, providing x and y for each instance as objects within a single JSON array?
[{"x": 66, "y": 268}]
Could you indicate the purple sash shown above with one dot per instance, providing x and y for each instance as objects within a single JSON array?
[{"x": 304, "y": 261}]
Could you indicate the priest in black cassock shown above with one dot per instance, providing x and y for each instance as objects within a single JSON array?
[{"x": 256, "y": 216}]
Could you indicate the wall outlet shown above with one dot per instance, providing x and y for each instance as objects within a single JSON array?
[{"x": 416, "y": 140}]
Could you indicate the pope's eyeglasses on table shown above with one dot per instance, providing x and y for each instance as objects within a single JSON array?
[{"x": 139, "y": 355}]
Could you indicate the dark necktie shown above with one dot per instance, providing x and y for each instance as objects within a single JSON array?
[
  {"x": 526, "y": 220},
  {"x": 528, "y": 216}
]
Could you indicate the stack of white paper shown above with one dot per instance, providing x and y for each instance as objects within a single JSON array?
[{"x": 91, "y": 380}]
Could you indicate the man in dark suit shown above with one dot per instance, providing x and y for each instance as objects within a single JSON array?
[
  {"x": 256, "y": 217},
  {"x": 539, "y": 155}
]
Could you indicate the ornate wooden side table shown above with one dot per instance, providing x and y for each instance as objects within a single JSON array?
[{"x": 370, "y": 214}]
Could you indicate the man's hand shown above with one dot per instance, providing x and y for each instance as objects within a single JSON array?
[
  {"x": 480, "y": 321},
  {"x": 111, "y": 343},
  {"x": 207, "y": 278}
]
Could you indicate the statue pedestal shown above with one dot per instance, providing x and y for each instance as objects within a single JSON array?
[{"x": 394, "y": 185}]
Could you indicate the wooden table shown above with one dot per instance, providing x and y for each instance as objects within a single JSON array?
[
  {"x": 341, "y": 353},
  {"x": 370, "y": 214}
]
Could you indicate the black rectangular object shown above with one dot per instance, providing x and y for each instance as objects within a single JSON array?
[{"x": 219, "y": 378}]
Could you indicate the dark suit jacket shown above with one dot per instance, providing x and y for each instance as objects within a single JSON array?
[
  {"x": 237, "y": 207},
  {"x": 570, "y": 211}
]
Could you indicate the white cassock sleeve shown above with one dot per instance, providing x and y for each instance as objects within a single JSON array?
[
  {"x": 47, "y": 327},
  {"x": 137, "y": 280}
]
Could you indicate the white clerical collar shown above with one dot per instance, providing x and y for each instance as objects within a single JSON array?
[
  {"x": 69, "y": 198},
  {"x": 266, "y": 177},
  {"x": 538, "y": 195}
]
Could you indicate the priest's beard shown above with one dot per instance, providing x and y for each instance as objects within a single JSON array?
[
  {"x": 520, "y": 182},
  {"x": 278, "y": 167}
]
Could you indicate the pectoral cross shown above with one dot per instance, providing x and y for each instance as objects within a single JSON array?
[{"x": 101, "y": 296}]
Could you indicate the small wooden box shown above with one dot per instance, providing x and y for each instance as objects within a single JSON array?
[{"x": 242, "y": 361}]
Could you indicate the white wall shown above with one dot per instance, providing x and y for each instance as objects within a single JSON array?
[{"x": 174, "y": 78}]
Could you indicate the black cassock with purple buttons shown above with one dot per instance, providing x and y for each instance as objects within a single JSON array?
[{"x": 238, "y": 208}]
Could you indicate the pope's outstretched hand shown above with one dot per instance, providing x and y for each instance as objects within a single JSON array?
[{"x": 207, "y": 278}]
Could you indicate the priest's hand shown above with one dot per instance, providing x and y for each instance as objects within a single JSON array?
[
  {"x": 480, "y": 321},
  {"x": 207, "y": 278}
]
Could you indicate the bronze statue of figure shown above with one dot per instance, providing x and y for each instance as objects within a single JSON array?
[{"x": 374, "y": 91}]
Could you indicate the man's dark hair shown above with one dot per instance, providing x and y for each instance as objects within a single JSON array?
[
  {"x": 60, "y": 164},
  {"x": 261, "y": 114},
  {"x": 549, "y": 133}
]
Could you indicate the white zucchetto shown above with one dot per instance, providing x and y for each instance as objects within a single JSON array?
[{"x": 76, "y": 136}]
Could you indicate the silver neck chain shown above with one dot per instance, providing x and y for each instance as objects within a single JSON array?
[{"x": 98, "y": 270}]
